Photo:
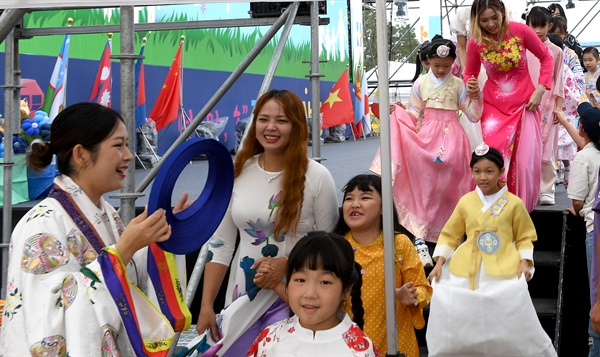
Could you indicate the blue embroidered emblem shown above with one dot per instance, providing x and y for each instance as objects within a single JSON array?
[{"x": 488, "y": 242}]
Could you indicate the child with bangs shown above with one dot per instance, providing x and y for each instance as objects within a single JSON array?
[
  {"x": 362, "y": 226},
  {"x": 591, "y": 62},
  {"x": 321, "y": 276}
]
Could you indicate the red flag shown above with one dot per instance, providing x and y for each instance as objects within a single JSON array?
[
  {"x": 375, "y": 105},
  {"x": 337, "y": 108},
  {"x": 364, "y": 89},
  {"x": 103, "y": 83},
  {"x": 357, "y": 130},
  {"x": 166, "y": 107},
  {"x": 140, "y": 89}
]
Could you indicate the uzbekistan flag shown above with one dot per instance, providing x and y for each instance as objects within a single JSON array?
[{"x": 55, "y": 97}]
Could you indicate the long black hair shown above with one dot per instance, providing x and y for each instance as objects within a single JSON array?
[
  {"x": 332, "y": 253},
  {"x": 366, "y": 183},
  {"x": 421, "y": 56}
]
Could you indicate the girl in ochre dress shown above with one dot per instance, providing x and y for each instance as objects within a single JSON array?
[{"x": 361, "y": 225}]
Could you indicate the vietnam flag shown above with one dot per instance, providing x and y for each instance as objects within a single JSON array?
[
  {"x": 103, "y": 83},
  {"x": 166, "y": 107},
  {"x": 337, "y": 108}
]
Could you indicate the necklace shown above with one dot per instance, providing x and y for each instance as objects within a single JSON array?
[{"x": 267, "y": 176}]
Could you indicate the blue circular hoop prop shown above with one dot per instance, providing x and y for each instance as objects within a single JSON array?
[{"x": 192, "y": 227}]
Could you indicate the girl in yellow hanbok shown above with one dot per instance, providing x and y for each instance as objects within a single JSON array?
[{"x": 480, "y": 304}]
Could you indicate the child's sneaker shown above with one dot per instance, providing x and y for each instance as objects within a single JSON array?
[
  {"x": 423, "y": 253},
  {"x": 547, "y": 199}
]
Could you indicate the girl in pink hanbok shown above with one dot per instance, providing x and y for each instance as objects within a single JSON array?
[
  {"x": 511, "y": 109},
  {"x": 430, "y": 150}
]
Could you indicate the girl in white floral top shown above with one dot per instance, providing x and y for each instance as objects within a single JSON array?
[{"x": 321, "y": 276}]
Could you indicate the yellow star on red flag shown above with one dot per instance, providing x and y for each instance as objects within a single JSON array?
[{"x": 333, "y": 97}]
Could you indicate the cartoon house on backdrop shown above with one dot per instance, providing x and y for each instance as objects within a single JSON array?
[{"x": 33, "y": 93}]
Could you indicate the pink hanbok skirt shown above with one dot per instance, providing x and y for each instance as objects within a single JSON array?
[{"x": 430, "y": 169}]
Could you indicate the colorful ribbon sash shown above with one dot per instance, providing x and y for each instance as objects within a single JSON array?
[{"x": 162, "y": 270}]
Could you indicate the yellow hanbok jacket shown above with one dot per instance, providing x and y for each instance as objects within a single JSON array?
[{"x": 500, "y": 236}]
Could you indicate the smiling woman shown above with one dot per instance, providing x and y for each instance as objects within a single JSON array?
[
  {"x": 71, "y": 255},
  {"x": 511, "y": 99},
  {"x": 279, "y": 195}
]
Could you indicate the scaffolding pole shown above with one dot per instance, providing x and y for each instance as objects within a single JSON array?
[
  {"x": 8, "y": 20},
  {"x": 12, "y": 95},
  {"x": 315, "y": 81},
  {"x": 386, "y": 181},
  {"x": 127, "y": 57}
]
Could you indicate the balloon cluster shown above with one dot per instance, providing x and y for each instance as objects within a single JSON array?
[
  {"x": 31, "y": 129},
  {"x": 36, "y": 128}
]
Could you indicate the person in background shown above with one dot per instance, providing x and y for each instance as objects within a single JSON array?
[
  {"x": 362, "y": 225},
  {"x": 595, "y": 311},
  {"x": 511, "y": 101},
  {"x": 421, "y": 60},
  {"x": 321, "y": 278},
  {"x": 591, "y": 62},
  {"x": 490, "y": 267},
  {"x": 582, "y": 189},
  {"x": 572, "y": 49},
  {"x": 556, "y": 9},
  {"x": 77, "y": 278},
  {"x": 539, "y": 21},
  {"x": 573, "y": 95},
  {"x": 279, "y": 195}
]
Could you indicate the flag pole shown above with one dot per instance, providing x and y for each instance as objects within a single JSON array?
[
  {"x": 110, "y": 36},
  {"x": 181, "y": 72},
  {"x": 69, "y": 24},
  {"x": 182, "y": 113},
  {"x": 140, "y": 131}
]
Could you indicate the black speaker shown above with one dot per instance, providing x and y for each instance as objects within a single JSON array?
[{"x": 275, "y": 9}]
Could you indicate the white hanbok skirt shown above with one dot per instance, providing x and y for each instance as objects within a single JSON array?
[{"x": 496, "y": 319}]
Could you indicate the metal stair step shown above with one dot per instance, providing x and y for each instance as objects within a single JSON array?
[
  {"x": 545, "y": 307},
  {"x": 546, "y": 258}
]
